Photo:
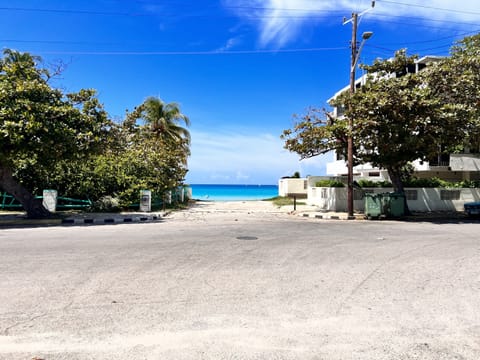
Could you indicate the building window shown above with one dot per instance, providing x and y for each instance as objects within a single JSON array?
[
  {"x": 374, "y": 174},
  {"x": 450, "y": 194},
  {"x": 340, "y": 111},
  {"x": 324, "y": 194},
  {"x": 305, "y": 185},
  {"x": 411, "y": 194}
]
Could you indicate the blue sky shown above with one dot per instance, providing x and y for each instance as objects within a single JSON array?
[{"x": 238, "y": 68}]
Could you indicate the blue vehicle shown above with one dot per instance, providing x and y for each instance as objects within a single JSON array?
[{"x": 472, "y": 208}]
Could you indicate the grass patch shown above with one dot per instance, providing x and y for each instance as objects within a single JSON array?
[{"x": 283, "y": 201}]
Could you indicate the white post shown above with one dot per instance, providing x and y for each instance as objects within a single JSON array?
[
  {"x": 50, "y": 200},
  {"x": 145, "y": 200}
]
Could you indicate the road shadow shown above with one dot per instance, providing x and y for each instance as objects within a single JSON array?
[{"x": 441, "y": 218}]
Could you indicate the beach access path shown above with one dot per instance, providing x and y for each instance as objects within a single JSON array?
[{"x": 243, "y": 280}]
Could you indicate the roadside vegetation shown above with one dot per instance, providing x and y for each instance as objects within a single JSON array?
[
  {"x": 284, "y": 201},
  {"x": 400, "y": 116},
  {"x": 409, "y": 183},
  {"x": 66, "y": 141}
]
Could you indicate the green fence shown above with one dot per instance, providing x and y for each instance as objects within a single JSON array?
[
  {"x": 8, "y": 202},
  {"x": 65, "y": 203}
]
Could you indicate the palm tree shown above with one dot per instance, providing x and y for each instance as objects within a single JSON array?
[{"x": 163, "y": 120}]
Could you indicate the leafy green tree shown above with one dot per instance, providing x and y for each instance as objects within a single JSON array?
[
  {"x": 40, "y": 125},
  {"x": 400, "y": 116},
  {"x": 456, "y": 82},
  {"x": 396, "y": 118},
  {"x": 161, "y": 144},
  {"x": 164, "y": 120},
  {"x": 133, "y": 158}
]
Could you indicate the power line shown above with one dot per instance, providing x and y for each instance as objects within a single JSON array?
[
  {"x": 62, "y": 42},
  {"x": 62, "y": 11},
  {"x": 430, "y": 7},
  {"x": 211, "y": 52},
  {"x": 422, "y": 19},
  {"x": 438, "y": 39},
  {"x": 421, "y": 50},
  {"x": 249, "y": 8},
  {"x": 144, "y": 14}
]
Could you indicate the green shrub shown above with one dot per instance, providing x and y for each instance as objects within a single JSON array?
[
  {"x": 106, "y": 204},
  {"x": 423, "y": 183},
  {"x": 469, "y": 184},
  {"x": 426, "y": 183},
  {"x": 283, "y": 201},
  {"x": 329, "y": 183},
  {"x": 375, "y": 184}
]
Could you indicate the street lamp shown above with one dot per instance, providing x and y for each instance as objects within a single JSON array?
[
  {"x": 354, "y": 60},
  {"x": 365, "y": 36}
]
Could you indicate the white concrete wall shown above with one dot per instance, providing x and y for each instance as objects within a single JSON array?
[
  {"x": 327, "y": 198},
  {"x": 431, "y": 200},
  {"x": 335, "y": 199},
  {"x": 291, "y": 186},
  {"x": 465, "y": 162}
]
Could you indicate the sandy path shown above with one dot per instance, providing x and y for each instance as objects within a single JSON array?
[{"x": 203, "y": 211}]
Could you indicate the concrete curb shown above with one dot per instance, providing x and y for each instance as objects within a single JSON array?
[
  {"x": 81, "y": 219},
  {"x": 416, "y": 217},
  {"x": 329, "y": 216},
  {"x": 110, "y": 220},
  {"x": 30, "y": 222}
]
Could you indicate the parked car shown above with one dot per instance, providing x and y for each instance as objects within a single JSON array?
[{"x": 472, "y": 208}]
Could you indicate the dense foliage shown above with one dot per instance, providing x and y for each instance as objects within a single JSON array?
[
  {"x": 40, "y": 125},
  {"x": 422, "y": 183},
  {"x": 400, "y": 116},
  {"x": 52, "y": 140},
  {"x": 329, "y": 183}
]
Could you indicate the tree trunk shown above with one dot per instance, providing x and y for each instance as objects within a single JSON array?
[
  {"x": 33, "y": 207},
  {"x": 396, "y": 179}
]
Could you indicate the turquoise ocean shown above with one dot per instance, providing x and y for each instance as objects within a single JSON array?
[{"x": 212, "y": 192}]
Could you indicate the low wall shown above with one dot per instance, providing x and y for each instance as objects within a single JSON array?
[{"x": 418, "y": 199}]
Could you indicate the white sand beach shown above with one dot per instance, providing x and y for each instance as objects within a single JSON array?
[{"x": 236, "y": 210}]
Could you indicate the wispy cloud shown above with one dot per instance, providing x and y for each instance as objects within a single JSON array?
[
  {"x": 231, "y": 157},
  {"x": 231, "y": 43},
  {"x": 280, "y": 21}
]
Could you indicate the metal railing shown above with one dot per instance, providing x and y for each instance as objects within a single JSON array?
[{"x": 8, "y": 202}]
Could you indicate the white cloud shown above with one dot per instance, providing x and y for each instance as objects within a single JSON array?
[
  {"x": 280, "y": 21},
  {"x": 236, "y": 158},
  {"x": 231, "y": 43}
]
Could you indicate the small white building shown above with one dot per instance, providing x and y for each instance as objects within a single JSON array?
[{"x": 293, "y": 187}]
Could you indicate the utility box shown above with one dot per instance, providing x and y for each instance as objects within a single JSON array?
[
  {"x": 374, "y": 205},
  {"x": 50, "y": 200},
  {"x": 145, "y": 200},
  {"x": 384, "y": 205},
  {"x": 396, "y": 204}
]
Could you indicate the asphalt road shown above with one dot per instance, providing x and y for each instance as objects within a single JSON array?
[{"x": 241, "y": 286}]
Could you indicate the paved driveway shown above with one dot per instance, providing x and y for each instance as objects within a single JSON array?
[{"x": 236, "y": 284}]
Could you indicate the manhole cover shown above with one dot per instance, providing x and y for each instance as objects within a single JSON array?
[{"x": 247, "y": 238}]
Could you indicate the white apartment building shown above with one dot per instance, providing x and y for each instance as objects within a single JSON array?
[{"x": 450, "y": 167}]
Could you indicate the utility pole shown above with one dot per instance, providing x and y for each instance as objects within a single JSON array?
[
  {"x": 353, "y": 64},
  {"x": 353, "y": 46}
]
